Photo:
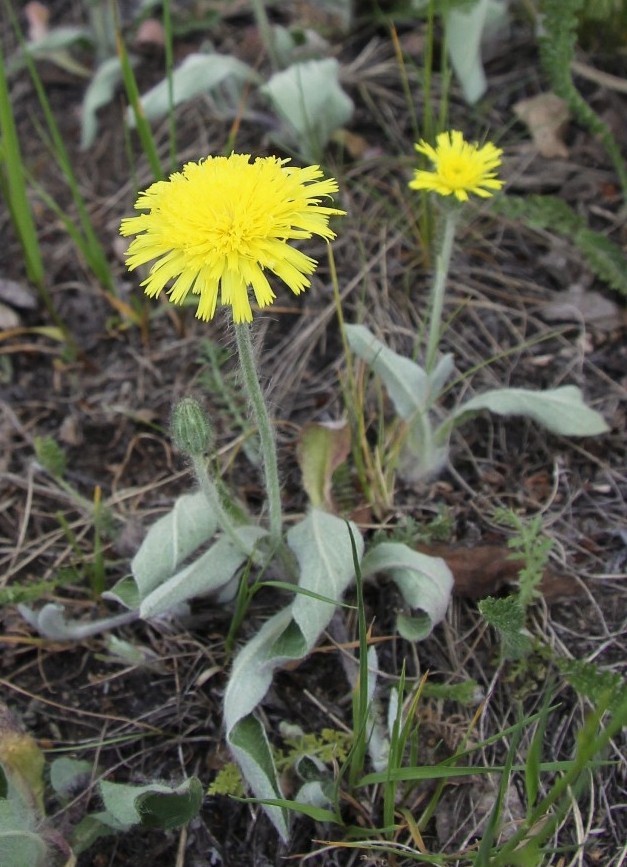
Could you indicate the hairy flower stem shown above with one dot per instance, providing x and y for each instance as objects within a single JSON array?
[
  {"x": 225, "y": 521},
  {"x": 442, "y": 263},
  {"x": 264, "y": 427}
]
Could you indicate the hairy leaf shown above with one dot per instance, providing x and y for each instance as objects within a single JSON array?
[
  {"x": 221, "y": 75},
  {"x": 50, "y": 455},
  {"x": 322, "y": 546},
  {"x": 465, "y": 30},
  {"x": 311, "y": 103},
  {"x": 426, "y": 583},
  {"x": 561, "y": 410},
  {"x": 66, "y": 775},
  {"x": 171, "y": 540},
  {"x": 20, "y": 844},
  {"x": 592, "y": 681},
  {"x": 210, "y": 572},
  {"x": 560, "y": 21},
  {"x": 153, "y": 805},
  {"x": 21, "y": 763},
  {"x": 406, "y": 382},
  {"x": 250, "y": 680},
  {"x": 605, "y": 258},
  {"x": 50, "y": 622},
  {"x": 98, "y": 94},
  {"x": 322, "y": 448}
]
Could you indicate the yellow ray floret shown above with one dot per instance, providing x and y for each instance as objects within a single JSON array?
[
  {"x": 459, "y": 167},
  {"x": 216, "y": 227}
]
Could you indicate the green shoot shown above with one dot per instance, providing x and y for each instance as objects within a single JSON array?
[
  {"x": 132, "y": 91},
  {"x": 15, "y": 188},
  {"x": 228, "y": 781},
  {"x": 507, "y": 615},
  {"x": 603, "y": 257},
  {"x": 542, "y": 820},
  {"x": 593, "y": 682},
  {"x": 560, "y": 21},
  {"x": 360, "y": 693},
  {"x": 169, "y": 67},
  {"x": 90, "y": 245}
]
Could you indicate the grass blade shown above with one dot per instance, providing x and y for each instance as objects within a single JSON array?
[
  {"x": 132, "y": 91},
  {"x": 91, "y": 246},
  {"x": 14, "y": 187}
]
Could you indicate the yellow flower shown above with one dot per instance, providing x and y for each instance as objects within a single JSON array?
[
  {"x": 216, "y": 226},
  {"x": 459, "y": 167}
]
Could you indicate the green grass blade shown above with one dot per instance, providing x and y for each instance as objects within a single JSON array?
[
  {"x": 132, "y": 91},
  {"x": 534, "y": 757},
  {"x": 551, "y": 809},
  {"x": 319, "y": 814},
  {"x": 15, "y": 192},
  {"x": 360, "y": 695},
  {"x": 96, "y": 258},
  {"x": 493, "y": 821},
  {"x": 447, "y": 771},
  {"x": 397, "y": 744},
  {"x": 169, "y": 66}
]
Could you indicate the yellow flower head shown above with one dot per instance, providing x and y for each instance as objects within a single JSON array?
[
  {"x": 459, "y": 167},
  {"x": 219, "y": 224}
]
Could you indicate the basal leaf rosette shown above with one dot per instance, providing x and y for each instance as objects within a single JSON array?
[{"x": 219, "y": 225}]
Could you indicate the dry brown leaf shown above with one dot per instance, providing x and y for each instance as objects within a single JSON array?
[
  {"x": 38, "y": 18},
  {"x": 70, "y": 431},
  {"x": 8, "y": 318},
  {"x": 17, "y": 295},
  {"x": 546, "y": 117},
  {"x": 412, "y": 43},
  {"x": 323, "y": 17},
  {"x": 578, "y": 304},
  {"x": 485, "y": 569},
  {"x": 358, "y": 147},
  {"x": 150, "y": 33}
]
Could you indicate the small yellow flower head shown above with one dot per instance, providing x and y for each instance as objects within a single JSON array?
[
  {"x": 460, "y": 168},
  {"x": 215, "y": 227}
]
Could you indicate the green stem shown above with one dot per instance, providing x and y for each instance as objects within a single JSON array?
[
  {"x": 442, "y": 264},
  {"x": 169, "y": 67},
  {"x": 264, "y": 427},
  {"x": 225, "y": 521},
  {"x": 265, "y": 29}
]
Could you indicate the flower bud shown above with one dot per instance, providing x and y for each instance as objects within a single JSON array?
[{"x": 190, "y": 427}]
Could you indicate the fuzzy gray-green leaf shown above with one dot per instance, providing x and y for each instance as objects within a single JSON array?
[
  {"x": 560, "y": 410},
  {"x": 221, "y": 75},
  {"x": 66, "y": 775},
  {"x": 130, "y": 805},
  {"x": 426, "y": 583},
  {"x": 99, "y": 93},
  {"x": 323, "y": 549},
  {"x": 406, "y": 382},
  {"x": 209, "y": 573},
  {"x": 309, "y": 99},
  {"x": 171, "y": 540},
  {"x": 322, "y": 546}
]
